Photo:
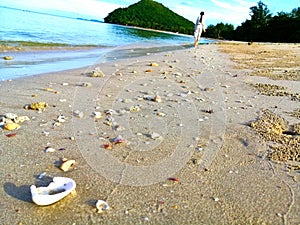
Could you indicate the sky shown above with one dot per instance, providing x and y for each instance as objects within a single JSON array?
[{"x": 227, "y": 11}]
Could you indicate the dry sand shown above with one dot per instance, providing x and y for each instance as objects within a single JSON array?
[{"x": 201, "y": 135}]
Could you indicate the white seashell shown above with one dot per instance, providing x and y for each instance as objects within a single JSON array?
[
  {"x": 97, "y": 115},
  {"x": 61, "y": 119},
  {"x": 102, "y": 206},
  {"x": 49, "y": 149},
  {"x": 155, "y": 136},
  {"x": 46, "y": 133},
  {"x": 56, "y": 190},
  {"x": 11, "y": 116}
]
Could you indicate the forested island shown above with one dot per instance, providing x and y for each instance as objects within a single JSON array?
[
  {"x": 150, "y": 14},
  {"x": 261, "y": 27}
]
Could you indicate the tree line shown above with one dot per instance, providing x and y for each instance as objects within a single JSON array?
[{"x": 262, "y": 26}]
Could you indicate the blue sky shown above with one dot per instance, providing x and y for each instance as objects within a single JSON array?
[{"x": 227, "y": 11}]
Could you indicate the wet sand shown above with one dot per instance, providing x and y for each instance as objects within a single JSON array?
[{"x": 191, "y": 158}]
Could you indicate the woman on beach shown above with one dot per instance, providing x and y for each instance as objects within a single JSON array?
[{"x": 199, "y": 27}]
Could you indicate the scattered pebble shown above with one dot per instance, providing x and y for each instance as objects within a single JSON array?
[
  {"x": 72, "y": 138},
  {"x": 216, "y": 199},
  {"x": 8, "y": 57},
  {"x": 154, "y": 64},
  {"x": 86, "y": 84},
  {"x": 161, "y": 114},
  {"x": 145, "y": 218},
  {"x": 134, "y": 109},
  {"x": 96, "y": 73}
]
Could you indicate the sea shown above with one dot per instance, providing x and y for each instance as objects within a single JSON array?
[{"x": 107, "y": 41}]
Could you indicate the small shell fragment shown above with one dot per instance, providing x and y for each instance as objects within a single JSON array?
[
  {"x": 40, "y": 106},
  {"x": 216, "y": 199},
  {"x": 8, "y": 57},
  {"x": 154, "y": 64},
  {"x": 96, "y": 73},
  {"x": 61, "y": 119},
  {"x": 134, "y": 109},
  {"x": 22, "y": 119},
  {"x": 173, "y": 179},
  {"x": 66, "y": 164},
  {"x": 72, "y": 138},
  {"x": 102, "y": 206},
  {"x": 119, "y": 139},
  {"x": 155, "y": 136},
  {"x": 107, "y": 146},
  {"x": 86, "y": 84},
  {"x": 97, "y": 115},
  {"x": 78, "y": 114},
  {"x": 157, "y": 98},
  {"x": 11, "y": 126},
  {"x": 49, "y": 150},
  {"x": 42, "y": 175},
  {"x": 161, "y": 114}
]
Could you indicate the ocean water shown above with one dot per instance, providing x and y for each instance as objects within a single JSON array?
[{"x": 24, "y": 25}]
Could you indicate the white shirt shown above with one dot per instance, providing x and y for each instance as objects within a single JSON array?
[{"x": 198, "y": 22}]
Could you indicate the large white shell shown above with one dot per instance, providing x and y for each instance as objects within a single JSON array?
[{"x": 56, "y": 190}]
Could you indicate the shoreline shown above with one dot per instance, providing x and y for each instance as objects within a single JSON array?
[
  {"x": 33, "y": 60},
  {"x": 219, "y": 172}
]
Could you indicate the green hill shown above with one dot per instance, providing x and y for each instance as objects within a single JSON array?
[{"x": 150, "y": 14}]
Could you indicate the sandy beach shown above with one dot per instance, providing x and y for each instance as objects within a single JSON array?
[{"x": 193, "y": 136}]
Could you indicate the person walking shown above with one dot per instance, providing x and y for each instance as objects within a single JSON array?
[{"x": 199, "y": 28}]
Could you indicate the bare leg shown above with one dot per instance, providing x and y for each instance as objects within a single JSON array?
[{"x": 196, "y": 42}]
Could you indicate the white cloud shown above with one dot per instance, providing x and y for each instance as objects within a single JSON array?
[{"x": 235, "y": 12}]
